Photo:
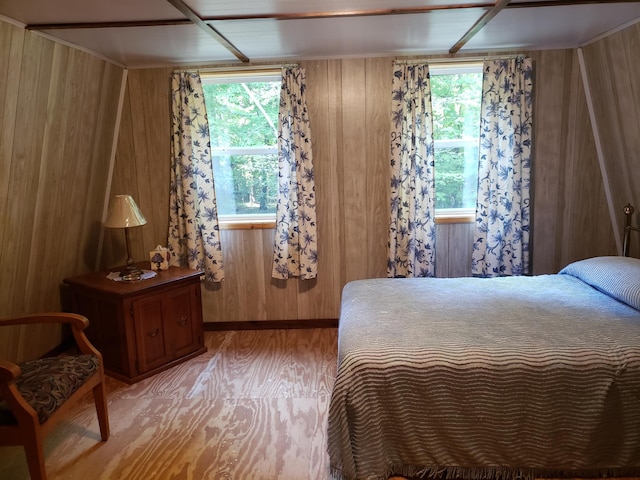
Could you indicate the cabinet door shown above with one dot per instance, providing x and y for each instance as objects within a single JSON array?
[
  {"x": 183, "y": 322},
  {"x": 152, "y": 339}
]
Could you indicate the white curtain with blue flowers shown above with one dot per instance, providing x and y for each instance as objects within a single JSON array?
[
  {"x": 194, "y": 236},
  {"x": 412, "y": 232},
  {"x": 296, "y": 242},
  {"x": 501, "y": 238}
]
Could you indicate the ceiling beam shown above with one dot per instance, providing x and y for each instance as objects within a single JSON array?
[
  {"x": 208, "y": 29},
  {"x": 479, "y": 25},
  {"x": 350, "y": 13},
  {"x": 132, "y": 23}
]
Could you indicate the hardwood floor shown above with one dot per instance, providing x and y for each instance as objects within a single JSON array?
[{"x": 253, "y": 407}]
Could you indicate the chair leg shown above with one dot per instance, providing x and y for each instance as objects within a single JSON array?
[
  {"x": 35, "y": 455},
  {"x": 100, "y": 399}
]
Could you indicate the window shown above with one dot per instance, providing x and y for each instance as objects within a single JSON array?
[
  {"x": 456, "y": 92},
  {"x": 243, "y": 124}
]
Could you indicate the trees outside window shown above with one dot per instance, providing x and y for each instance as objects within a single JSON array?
[
  {"x": 456, "y": 93},
  {"x": 243, "y": 116}
]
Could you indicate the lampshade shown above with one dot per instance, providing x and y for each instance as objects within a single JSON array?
[{"x": 124, "y": 213}]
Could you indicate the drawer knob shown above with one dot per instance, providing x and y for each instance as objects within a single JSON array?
[
  {"x": 154, "y": 332},
  {"x": 182, "y": 321}
]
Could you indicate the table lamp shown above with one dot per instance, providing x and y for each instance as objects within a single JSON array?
[{"x": 124, "y": 213}]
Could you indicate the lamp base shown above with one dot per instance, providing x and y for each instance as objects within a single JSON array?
[{"x": 131, "y": 273}]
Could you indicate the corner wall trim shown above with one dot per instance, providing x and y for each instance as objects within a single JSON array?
[
  {"x": 112, "y": 162},
  {"x": 596, "y": 137}
]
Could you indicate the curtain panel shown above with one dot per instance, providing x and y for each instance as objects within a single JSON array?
[
  {"x": 412, "y": 232},
  {"x": 194, "y": 235},
  {"x": 295, "y": 251},
  {"x": 501, "y": 237}
]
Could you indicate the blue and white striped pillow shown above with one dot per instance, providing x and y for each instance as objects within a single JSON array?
[{"x": 618, "y": 277}]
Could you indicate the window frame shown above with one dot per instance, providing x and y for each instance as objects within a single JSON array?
[
  {"x": 454, "y": 215},
  {"x": 270, "y": 74}
]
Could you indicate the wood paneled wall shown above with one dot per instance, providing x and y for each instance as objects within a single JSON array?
[
  {"x": 142, "y": 164},
  {"x": 58, "y": 109},
  {"x": 350, "y": 111},
  {"x": 613, "y": 73},
  {"x": 570, "y": 215},
  {"x": 349, "y": 106}
]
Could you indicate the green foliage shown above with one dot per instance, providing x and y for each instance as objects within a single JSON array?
[
  {"x": 456, "y": 105},
  {"x": 456, "y": 116},
  {"x": 244, "y": 115},
  {"x": 246, "y": 184}
]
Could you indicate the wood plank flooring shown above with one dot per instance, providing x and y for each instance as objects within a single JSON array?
[{"x": 253, "y": 407}]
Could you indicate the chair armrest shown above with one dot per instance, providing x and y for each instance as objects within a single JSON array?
[
  {"x": 8, "y": 371},
  {"x": 20, "y": 408},
  {"x": 78, "y": 324},
  {"x": 79, "y": 321}
]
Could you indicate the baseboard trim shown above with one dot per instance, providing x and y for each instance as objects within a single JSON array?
[{"x": 271, "y": 324}]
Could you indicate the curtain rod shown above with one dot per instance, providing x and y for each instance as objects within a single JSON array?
[
  {"x": 237, "y": 68},
  {"x": 479, "y": 58},
  {"x": 274, "y": 66}
]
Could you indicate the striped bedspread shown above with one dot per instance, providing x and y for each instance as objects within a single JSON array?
[{"x": 485, "y": 378}]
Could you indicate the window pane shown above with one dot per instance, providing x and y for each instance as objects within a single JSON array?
[
  {"x": 243, "y": 127},
  {"x": 456, "y": 122},
  {"x": 246, "y": 184},
  {"x": 457, "y": 177}
]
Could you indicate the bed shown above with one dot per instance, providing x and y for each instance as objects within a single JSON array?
[{"x": 513, "y": 377}]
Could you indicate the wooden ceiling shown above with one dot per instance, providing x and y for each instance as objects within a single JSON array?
[{"x": 176, "y": 32}]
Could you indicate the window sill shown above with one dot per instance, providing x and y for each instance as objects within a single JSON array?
[
  {"x": 246, "y": 224},
  {"x": 464, "y": 218}
]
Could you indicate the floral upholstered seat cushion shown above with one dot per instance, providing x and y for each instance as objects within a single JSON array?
[{"x": 47, "y": 383}]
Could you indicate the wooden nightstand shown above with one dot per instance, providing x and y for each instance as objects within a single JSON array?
[{"x": 144, "y": 327}]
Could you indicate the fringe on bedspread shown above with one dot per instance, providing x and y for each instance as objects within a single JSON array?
[{"x": 491, "y": 473}]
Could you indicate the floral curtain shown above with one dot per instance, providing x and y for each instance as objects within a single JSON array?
[
  {"x": 296, "y": 244},
  {"x": 194, "y": 236},
  {"x": 501, "y": 238},
  {"x": 412, "y": 224}
]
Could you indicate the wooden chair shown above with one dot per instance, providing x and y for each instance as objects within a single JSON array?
[{"x": 36, "y": 394}]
